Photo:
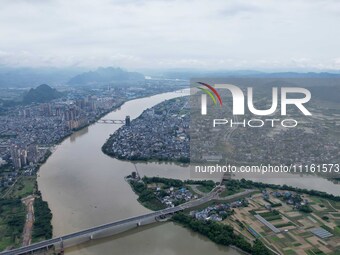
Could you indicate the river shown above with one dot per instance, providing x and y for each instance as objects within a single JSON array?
[{"x": 85, "y": 188}]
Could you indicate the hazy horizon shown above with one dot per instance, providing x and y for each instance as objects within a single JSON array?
[{"x": 137, "y": 35}]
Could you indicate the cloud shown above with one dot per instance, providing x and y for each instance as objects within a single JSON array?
[{"x": 161, "y": 34}]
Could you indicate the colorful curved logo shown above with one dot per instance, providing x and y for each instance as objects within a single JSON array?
[{"x": 211, "y": 91}]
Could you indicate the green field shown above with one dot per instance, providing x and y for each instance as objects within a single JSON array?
[
  {"x": 335, "y": 204},
  {"x": 314, "y": 252},
  {"x": 204, "y": 189},
  {"x": 281, "y": 225},
  {"x": 13, "y": 211},
  {"x": 270, "y": 216},
  {"x": 24, "y": 187},
  {"x": 12, "y": 220},
  {"x": 229, "y": 192},
  {"x": 289, "y": 252}
]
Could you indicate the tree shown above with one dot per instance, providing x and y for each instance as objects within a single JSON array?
[{"x": 259, "y": 248}]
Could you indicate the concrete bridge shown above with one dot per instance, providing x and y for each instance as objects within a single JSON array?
[
  {"x": 59, "y": 243},
  {"x": 109, "y": 121},
  {"x": 113, "y": 228}
]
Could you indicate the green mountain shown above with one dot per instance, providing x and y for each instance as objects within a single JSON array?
[
  {"x": 106, "y": 75},
  {"x": 41, "y": 94}
]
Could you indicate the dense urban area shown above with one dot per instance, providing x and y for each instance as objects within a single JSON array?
[
  {"x": 30, "y": 128},
  {"x": 253, "y": 217},
  {"x": 315, "y": 140},
  {"x": 159, "y": 133}
]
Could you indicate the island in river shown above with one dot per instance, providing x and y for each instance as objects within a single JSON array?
[{"x": 160, "y": 133}]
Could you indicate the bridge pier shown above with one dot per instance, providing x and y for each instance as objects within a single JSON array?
[
  {"x": 164, "y": 218},
  {"x": 114, "y": 230},
  {"x": 105, "y": 230}
]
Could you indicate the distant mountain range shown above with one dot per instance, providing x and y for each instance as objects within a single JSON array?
[
  {"x": 106, "y": 75},
  {"x": 32, "y": 77},
  {"x": 188, "y": 74},
  {"x": 41, "y": 94}
]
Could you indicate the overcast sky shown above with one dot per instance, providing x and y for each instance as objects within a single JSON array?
[{"x": 206, "y": 34}]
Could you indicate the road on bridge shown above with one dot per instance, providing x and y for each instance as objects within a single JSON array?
[{"x": 137, "y": 219}]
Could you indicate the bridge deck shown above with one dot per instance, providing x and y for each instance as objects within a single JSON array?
[
  {"x": 53, "y": 241},
  {"x": 48, "y": 243}
]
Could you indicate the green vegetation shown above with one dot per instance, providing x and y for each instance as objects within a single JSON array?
[
  {"x": 248, "y": 184},
  {"x": 273, "y": 205},
  {"x": 204, "y": 184},
  {"x": 12, "y": 220},
  {"x": 24, "y": 187},
  {"x": 314, "y": 252},
  {"x": 13, "y": 212},
  {"x": 146, "y": 197},
  {"x": 326, "y": 218},
  {"x": 5, "y": 168},
  {"x": 281, "y": 225},
  {"x": 209, "y": 185},
  {"x": 42, "y": 228},
  {"x": 273, "y": 215},
  {"x": 41, "y": 94},
  {"x": 204, "y": 189},
  {"x": 241, "y": 225},
  {"x": 269, "y": 214},
  {"x": 221, "y": 234},
  {"x": 336, "y": 230},
  {"x": 231, "y": 188},
  {"x": 166, "y": 181},
  {"x": 289, "y": 252},
  {"x": 12, "y": 208},
  {"x": 305, "y": 209}
]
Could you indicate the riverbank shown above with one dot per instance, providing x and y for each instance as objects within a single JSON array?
[
  {"x": 158, "y": 193},
  {"x": 27, "y": 233},
  {"x": 91, "y": 191},
  {"x": 12, "y": 221},
  {"x": 221, "y": 234},
  {"x": 75, "y": 188},
  {"x": 15, "y": 228},
  {"x": 283, "y": 210},
  {"x": 160, "y": 133},
  {"x": 26, "y": 185}
]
